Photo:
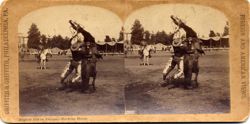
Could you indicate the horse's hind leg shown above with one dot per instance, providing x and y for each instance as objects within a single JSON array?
[
  {"x": 196, "y": 70},
  {"x": 93, "y": 83},
  {"x": 41, "y": 64},
  {"x": 188, "y": 65},
  {"x": 196, "y": 79},
  {"x": 144, "y": 60},
  {"x": 94, "y": 72}
]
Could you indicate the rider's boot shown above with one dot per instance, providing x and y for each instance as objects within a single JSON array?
[
  {"x": 64, "y": 85},
  {"x": 164, "y": 76}
]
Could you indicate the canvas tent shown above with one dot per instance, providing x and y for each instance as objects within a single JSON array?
[
  {"x": 110, "y": 47},
  {"x": 160, "y": 46},
  {"x": 215, "y": 42}
]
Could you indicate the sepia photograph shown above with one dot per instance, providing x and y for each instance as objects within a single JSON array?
[
  {"x": 71, "y": 62},
  {"x": 178, "y": 59},
  {"x": 161, "y": 60},
  {"x": 124, "y": 61}
]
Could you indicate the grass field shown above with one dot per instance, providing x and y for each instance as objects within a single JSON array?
[{"x": 123, "y": 86}]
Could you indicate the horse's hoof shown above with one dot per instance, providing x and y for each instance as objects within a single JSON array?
[
  {"x": 85, "y": 91},
  {"x": 196, "y": 85},
  {"x": 188, "y": 87},
  {"x": 62, "y": 88},
  {"x": 164, "y": 84},
  {"x": 172, "y": 87}
]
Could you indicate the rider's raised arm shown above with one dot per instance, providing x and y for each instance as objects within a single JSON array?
[
  {"x": 189, "y": 31},
  {"x": 87, "y": 36},
  {"x": 175, "y": 20},
  {"x": 73, "y": 25},
  {"x": 178, "y": 22}
]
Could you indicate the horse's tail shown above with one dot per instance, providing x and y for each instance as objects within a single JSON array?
[
  {"x": 99, "y": 56},
  {"x": 201, "y": 51}
]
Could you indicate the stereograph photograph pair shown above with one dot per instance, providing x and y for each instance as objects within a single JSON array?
[{"x": 124, "y": 61}]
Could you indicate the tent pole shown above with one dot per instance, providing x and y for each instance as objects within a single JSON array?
[
  {"x": 220, "y": 43},
  {"x": 116, "y": 47},
  {"x": 106, "y": 49},
  {"x": 210, "y": 43}
]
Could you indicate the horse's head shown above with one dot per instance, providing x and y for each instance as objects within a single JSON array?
[
  {"x": 194, "y": 44},
  {"x": 45, "y": 51},
  {"x": 149, "y": 47}
]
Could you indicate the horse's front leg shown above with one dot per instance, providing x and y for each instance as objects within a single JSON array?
[
  {"x": 44, "y": 64},
  {"x": 94, "y": 76},
  {"x": 41, "y": 64},
  {"x": 147, "y": 60}
]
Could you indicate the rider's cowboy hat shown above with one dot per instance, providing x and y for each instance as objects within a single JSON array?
[{"x": 76, "y": 46}]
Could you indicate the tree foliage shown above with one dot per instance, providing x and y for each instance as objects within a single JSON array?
[
  {"x": 212, "y": 33},
  {"x": 59, "y": 42},
  {"x": 147, "y": 36},
  {"x": 107, "y": 38},
  {"x": 137, "y": 32},
  {"x": 226, "y": 30},
  {"x": 121, "y": 35},
  {"x": 34, "y": 37}
]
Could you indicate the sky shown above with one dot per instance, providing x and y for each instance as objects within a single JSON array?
[
  {"x": 54, "y": 21},
  {"x": 101, "y": 22},
  {"x": 157, "y": 18}
]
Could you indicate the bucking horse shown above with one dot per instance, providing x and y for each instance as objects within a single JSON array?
[
  {"x": 191, "y": 61},
  {"x": 89, "y": 57},
  {"x": 193, "y": 50}
]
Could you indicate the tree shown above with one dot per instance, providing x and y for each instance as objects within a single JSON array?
[
  {"x": 113, "y": 40},
  {"x": 218, "y": 34},
  {"x": 147, "y": 36},
  {"x": 34, "y": 37},
  {"x": 121, "y": 35},
  {"x": 212, "y": 34},
  {"x": 137, "y": 32},
  {"x": 59, "y": 42},
  {"x": 107, "y": 39},
  {"x": 226, "y": 30},
  {"x": 153, "y": 38},
  {"x": 43, "y": 41},
  {"x": 161, "y": 37}
]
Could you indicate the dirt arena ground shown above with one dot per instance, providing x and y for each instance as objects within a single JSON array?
[
  {"x": 133, "y": 89},
  {"x": 39, "y": 94},
  {"x": 144, "y": 95}
]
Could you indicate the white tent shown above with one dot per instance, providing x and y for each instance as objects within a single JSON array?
[{"x": 160, "y": 46}]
